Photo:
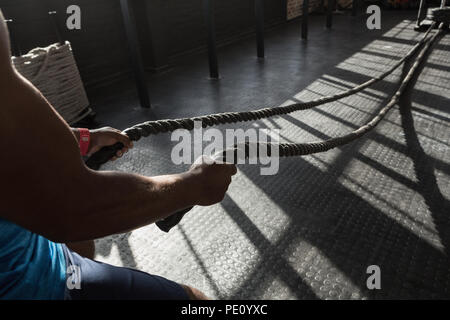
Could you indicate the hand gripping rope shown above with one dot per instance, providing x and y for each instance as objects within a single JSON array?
[{"x": 285, "y": 149}]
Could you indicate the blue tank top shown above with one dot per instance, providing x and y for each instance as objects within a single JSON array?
[{"x": 31, "y": 266}]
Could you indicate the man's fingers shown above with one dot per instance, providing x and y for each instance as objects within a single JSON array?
[{"x": 120, "y": 153}]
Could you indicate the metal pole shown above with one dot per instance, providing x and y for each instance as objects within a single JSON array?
[
  {"x": 208, "y": 11},
  {"x": 52, "y": 15},
  {"x": 305, "y": 14},
  {"x": 330, "y": 7},
  {"x": 15, "y": 47},
  {"x": 259, "y": 10},
  {"x": 421, "y": 13},
  {"x": 136, "y": 59}
]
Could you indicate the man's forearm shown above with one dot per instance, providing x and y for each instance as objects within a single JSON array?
[
  {"x": 51, "y": 192},
  {"x": 115, "y": 202},
  {"x": 48, "y": 189}
]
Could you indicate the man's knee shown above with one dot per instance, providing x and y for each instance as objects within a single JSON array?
[{"x": 194, "y": 294}]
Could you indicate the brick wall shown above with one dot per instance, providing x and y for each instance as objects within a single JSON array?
[{"x": 295, "y": 7}]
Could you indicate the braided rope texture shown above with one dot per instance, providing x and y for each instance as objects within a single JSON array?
[
  {"x": 163, "y": 126},
  {"x": 54, "y": 72},
  {"x": 300, "y": 149},
  {"x": 285, "y": 150}
]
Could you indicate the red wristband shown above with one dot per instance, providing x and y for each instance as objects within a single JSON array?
[{"x": 85, "y": 139}]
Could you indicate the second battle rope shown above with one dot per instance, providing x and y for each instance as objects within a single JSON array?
[
  {"x": 162, "y": 126},
  {"x": 300, "y": 149},
  {"x": 286, "y": 149}
]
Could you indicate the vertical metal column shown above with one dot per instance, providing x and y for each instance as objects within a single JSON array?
[
  {"x": 305, "y": 13},
  {"x": 259, "y": 11},
  {"x": 208, "y": 11},
  {"x": 330, "y": 9},
  {"x": 421, "y": 13},
  {"x": 136, "y": 59},
  {"x": 56, "y": 28},
  {"x": 15, "y": 47},
  {"x": 355, "y": 6}
]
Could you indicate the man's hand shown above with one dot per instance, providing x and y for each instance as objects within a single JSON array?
[
  {"x": 107, "y": 136},
  {"x": 57, "y": 196},
  {"x": 210, "y": 180}
]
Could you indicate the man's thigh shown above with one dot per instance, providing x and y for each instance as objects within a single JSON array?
[{"x": 89, "y": 279}]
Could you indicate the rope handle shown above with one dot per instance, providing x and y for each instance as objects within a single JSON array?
[
  {"x": 103, "y": 156},
  {"x": 286, "y": 150},
  {"x": 171, "y": 221}
]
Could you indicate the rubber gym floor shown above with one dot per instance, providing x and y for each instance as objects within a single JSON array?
[{"x": 312, "y": 230}]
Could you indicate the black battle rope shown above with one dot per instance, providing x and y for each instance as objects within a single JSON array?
[
  {"x": 286, "y": 149},
  {"x": 300, "y": 149},
  {"x": 161, "y": 126}
]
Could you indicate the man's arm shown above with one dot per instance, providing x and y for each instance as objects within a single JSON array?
[
  {"x": 6, "y": 69},
  {"x": 47, "y": 189}
]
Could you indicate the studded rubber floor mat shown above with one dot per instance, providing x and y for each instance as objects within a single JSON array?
[{"x": 312, "y": 230}]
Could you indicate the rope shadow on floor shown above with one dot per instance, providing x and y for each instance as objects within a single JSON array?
[{"x": 404, "y": 255}]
